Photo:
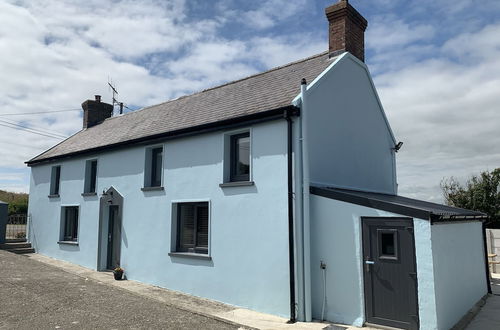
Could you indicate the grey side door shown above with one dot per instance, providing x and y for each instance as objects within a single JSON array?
[
  {"x": 390, "y": 277},
  {"x": 114, "y": 237}
]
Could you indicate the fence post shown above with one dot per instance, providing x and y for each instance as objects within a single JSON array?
[
  {"x": 4, "y": 215},
  {"x": 28, "y": 227}
]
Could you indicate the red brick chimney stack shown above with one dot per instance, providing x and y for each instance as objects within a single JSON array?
[
  {"x": 95, "y": 112},
  {"x": 346, "y": 31}
]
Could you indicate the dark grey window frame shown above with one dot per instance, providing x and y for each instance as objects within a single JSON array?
[
  {"x": 234, "y": 176},
  {"x": 90, "y": 184},
  {"x": 69, "y": 231},
  {"x": 192, "y": 248},
  {"x": 55, "y": 180},
  {"x": 156, "y": 169}
]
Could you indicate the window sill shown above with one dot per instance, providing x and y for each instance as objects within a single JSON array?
[
  {"x": 68, "y": 242},
  {"x": 54, "y": 196},
  {"x": 153, "y": 188},
  {"x": 190, "y": 255},
  {"x": 237, "y": 184},
  {"x": 87, "y": 194}
]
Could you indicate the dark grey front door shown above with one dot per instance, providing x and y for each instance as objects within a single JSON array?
[
  {"x": 390, "y": 272},
  {"x": 114, "y": 237}
]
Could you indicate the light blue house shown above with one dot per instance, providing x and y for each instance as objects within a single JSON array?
[{"x": 270, "y": 192}]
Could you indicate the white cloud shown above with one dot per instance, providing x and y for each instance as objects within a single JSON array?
[
  {"x": 269, "y": 13},
  {"x": 446, "y": 112},
  {"x": 57, "y": 54},
  {"x": 387, "y": 33}
]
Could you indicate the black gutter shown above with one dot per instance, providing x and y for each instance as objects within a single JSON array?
[
  {"x": 486, "y": 264},
  {"x": 190, "y": 131},
  {"x": 291, "y": 248}
]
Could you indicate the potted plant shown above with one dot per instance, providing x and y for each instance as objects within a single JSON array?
[{"x": 118, "y": 273}]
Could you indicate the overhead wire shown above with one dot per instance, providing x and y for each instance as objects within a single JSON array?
[
  {"x": 38, "y": 131},
  {"x": 34, "y": 132},
  {"x": 37, "y": 113},
  {"x": 31, "y": 127}
]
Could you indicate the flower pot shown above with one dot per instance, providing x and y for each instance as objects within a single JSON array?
[{"x": 118, "y": 275}]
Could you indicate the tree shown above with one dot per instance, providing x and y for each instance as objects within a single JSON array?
[
  {"x": 18, "y": 202},
  {"x": 480, "y": 193}
]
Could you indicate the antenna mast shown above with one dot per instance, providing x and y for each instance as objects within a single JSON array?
[{"x": 115, "y": 101}]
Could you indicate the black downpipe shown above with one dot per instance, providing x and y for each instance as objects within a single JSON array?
[
  {"x": 291, "y": 254},
  {"x": 488, "y": 284}
]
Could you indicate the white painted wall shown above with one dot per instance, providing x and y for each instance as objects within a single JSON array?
[
  {"x": 248, "y": 233},
  {"x": 336, "y": 228},
  {"x": 349, "y": 138},
  {"x": 459, "y": 269}
]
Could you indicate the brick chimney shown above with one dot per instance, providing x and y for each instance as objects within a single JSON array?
[
  {"x": 94, "y": 112},
  {"x": 346, "y": 31}
]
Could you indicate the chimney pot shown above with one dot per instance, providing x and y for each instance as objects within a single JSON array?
[
  {"x": 98, "y": 98},
  {"x": 346, "y": 31}
]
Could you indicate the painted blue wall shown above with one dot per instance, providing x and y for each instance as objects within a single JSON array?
[
  {"x": 349, "y": 138},
  {"x": 459, "y": 271},
  {"x": 248, "y": 225}
]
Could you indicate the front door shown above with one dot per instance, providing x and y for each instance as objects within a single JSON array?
[
  {"x": 390, "y": 277},
  {"x": 114, "y": 237}
]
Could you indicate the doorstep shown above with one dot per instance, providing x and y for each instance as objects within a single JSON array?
[{"x": 202, "y": 306}]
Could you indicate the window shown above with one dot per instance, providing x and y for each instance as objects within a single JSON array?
[
  {"x": 90, "y": 176},
  {"x": 55, "y": 179},
  {"x": 154, "y": 167},
  {"x": 240, "y": 157},
  {"x": 70, "y": 224},
  {"x": 192, "y": 227},
  {"x": 387, "y": 244}
]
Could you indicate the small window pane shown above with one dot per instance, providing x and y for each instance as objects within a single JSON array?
[
  {"x": 186, "y": 213},
  {"x": 70, "y": 224},
  {"x": 93, "y": 176},
  {"x": 54, "y": 180},
  {"x": 202, "y": 227},
  {"x": 240, "y": 157},
  {"x": 193, "y": 227},
  {"x": 156, "y": 166},
  {"x": 387, "y": 243}
]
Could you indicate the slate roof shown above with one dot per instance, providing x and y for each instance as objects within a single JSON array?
[
  {"x": 253, "y": 95},
  {"x": 399, "y": 204}
]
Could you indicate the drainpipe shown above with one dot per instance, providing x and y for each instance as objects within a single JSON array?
[
  {"x": 291, "y": 254},
  {"x": 299, "y": 221},
  {"x": 305, "y": 193}
]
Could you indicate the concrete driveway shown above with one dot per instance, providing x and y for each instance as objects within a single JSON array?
[
  {"x": 34, "y": 295},
  {"x": 488, "y": 317}
]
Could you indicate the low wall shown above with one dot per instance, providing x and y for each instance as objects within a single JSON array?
[{"x": 493, "y": 242}]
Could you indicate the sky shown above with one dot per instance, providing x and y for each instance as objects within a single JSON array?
[{"x": 436, "y": 66}]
